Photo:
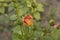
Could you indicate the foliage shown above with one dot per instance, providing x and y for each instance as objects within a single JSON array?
[
  {"x": 23, "y": 32},
  {"x": 15, "y": 12}
]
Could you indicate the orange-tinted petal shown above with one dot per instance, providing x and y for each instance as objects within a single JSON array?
[
  {"x": 28, "y": 20},
  {"x": 28, "y": 17}
]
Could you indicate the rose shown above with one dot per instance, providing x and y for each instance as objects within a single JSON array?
[
  {"x": 56, "y": 25},
  {"x": 28, "y": 20}
]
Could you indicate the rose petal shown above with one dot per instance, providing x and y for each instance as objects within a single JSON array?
[{"x": 56, "y": 25}]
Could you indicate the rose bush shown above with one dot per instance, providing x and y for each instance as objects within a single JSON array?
[{"x": 25, "y": 18}]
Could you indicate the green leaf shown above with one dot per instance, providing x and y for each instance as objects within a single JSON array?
[
  {"x": 37, "y": 16},
  {"x": 3, "y": 4},
  {"x": 13, "y": 17},
  {"x": 20, "y": 12},
  {"x": 2, "y": 10},
  {"x": 5, "y": 0},
  {"x": 22, "y": 1},
  {"x": 2, "y": 0},
  {"x": 10, "y": 6},
  {"x": 28, "y": 3},
  {"x": 56, "y": 34},
  {"x": 17, "y": 34},
  {"x": 40, "y": 7},
  {"x": 16, "y": 29},
  {"x": 34, "y": 1},
  {"x": 23, "y": 11}
]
